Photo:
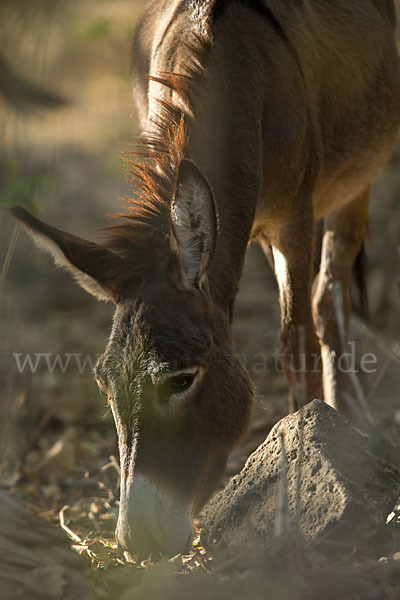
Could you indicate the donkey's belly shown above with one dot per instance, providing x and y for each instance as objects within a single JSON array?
[
  {"x": 351, "y": 164},
  {"x": 339, "y": 187},
  {"x": 335, "y": 187}
]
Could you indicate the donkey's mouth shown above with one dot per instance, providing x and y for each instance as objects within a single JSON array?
[
  {"x": 152, "y": 521},
  {"x": 139, "y": 548}
]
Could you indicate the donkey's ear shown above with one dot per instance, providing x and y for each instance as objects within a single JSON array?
[
  {"x": 194, "y": 224},
  {"x": 95, "y": 268}
]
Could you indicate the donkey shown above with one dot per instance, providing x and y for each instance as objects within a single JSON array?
[{"x": 259, "y": 119}]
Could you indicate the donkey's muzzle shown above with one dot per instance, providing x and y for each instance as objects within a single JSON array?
[{"x": 152, "y": 521}]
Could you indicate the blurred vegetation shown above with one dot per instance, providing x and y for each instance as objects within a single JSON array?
[{"x": 22, "y": 187}]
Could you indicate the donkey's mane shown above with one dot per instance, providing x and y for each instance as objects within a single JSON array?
[{"x": 141, "y": 233}]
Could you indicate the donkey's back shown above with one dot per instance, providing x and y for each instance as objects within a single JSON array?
[{"x": 333, "y": 68}]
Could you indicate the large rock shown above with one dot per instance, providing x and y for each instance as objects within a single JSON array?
[{"x": 347, "y": 487}]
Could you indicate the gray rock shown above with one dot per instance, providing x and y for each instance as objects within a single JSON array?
[{"x": 346, "y": 490}]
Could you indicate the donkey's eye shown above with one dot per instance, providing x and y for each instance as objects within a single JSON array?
[
  {"x": 175, "y": 385},
  {"x": 180, "y": 383}
]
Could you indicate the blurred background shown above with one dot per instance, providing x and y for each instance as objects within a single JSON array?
[{"x": 66, "y": 116}]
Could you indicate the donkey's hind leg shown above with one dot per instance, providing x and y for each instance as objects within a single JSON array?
[{"x": 344, "y": 232}]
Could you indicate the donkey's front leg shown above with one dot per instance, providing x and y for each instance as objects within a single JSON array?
[
  {"x": 343, "y": 236},
  {"x": 299, "y": 354}
]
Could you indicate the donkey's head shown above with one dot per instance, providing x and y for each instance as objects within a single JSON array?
[{"x": 179, "y": 395}]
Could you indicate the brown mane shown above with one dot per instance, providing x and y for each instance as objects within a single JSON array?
[{"x": 151, "y": 167}]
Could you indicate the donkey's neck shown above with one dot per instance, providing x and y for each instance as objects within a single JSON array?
[{"x": 224, "y": 141}]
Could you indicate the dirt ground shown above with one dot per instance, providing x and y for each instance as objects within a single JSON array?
[{"x": 65, "y": 165}]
